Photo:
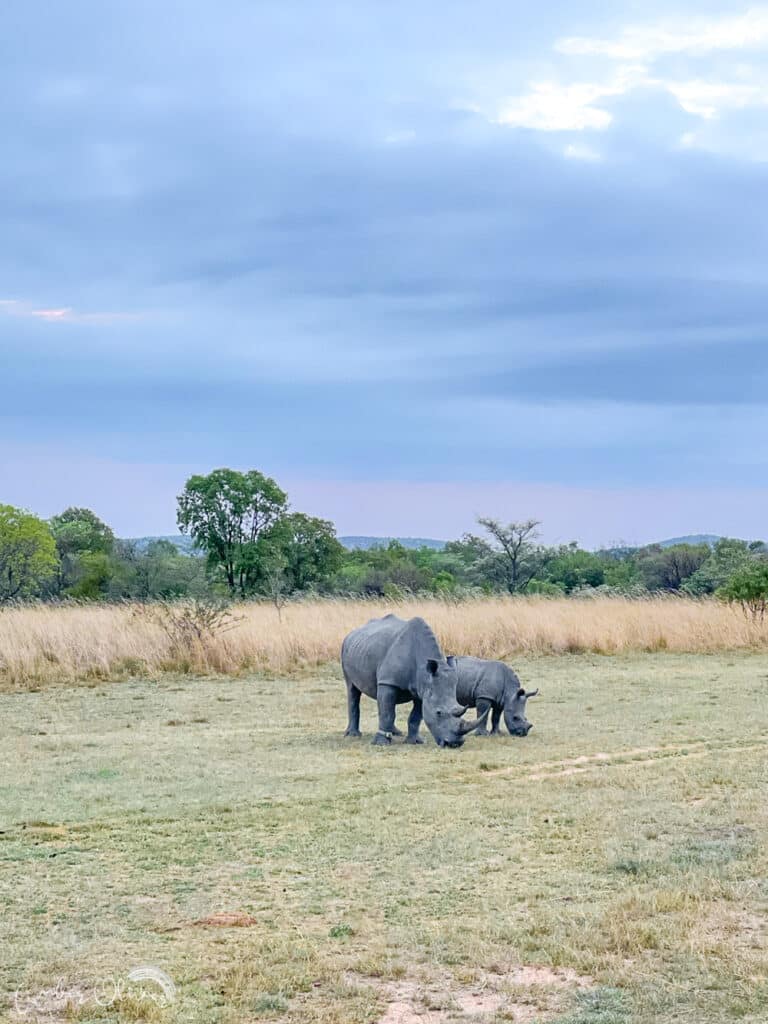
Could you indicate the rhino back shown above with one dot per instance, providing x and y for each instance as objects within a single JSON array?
[
  {"x": 390, "y": 649},
  {"x": 480, "y": 678},
  {"x": 407, "y": 657},
  {"x": 365, "y": 648}
]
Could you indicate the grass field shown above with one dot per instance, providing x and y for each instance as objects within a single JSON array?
[
  {"x": 610, "y": 868},
  {"x": 50, "y": 645}
]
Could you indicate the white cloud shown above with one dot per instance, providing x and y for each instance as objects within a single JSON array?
[
  {"x": 709, "y": 99},
  {"x": 700, "y": 36},
  {"x": 579, "y": 105},
  {"x": 555, "y": 107},
  {"x": 550, "y": 107}
]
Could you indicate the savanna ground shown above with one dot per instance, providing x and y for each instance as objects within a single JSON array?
[{"x": 610, "y": 868}]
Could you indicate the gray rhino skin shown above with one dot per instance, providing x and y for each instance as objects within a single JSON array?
[
  {"x": 493, "y": 686},
  {"x": 394, "y": 661}
]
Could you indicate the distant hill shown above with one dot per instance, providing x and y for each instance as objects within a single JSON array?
[
  {"x": 694, "y": 538},
  {"x": 184, "y": 544},
  {"x": 381, "y": 542}
]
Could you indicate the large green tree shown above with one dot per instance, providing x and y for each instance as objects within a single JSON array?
[
  {"x": 28, "y": 557},
  {"x": 311, "y": 552},
  {"x": 80, "y": 529},
  {"x": 85, "y": 544},
  {"x": 229, "y": 515}
]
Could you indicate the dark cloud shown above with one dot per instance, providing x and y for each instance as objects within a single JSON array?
[{"x": 330, "y": 263}]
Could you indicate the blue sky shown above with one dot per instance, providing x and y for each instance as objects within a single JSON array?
[{"x": 417, "y": 261}]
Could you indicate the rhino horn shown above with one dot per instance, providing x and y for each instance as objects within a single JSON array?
[
  {"x": 458, "y": 711},
  {"x": 465, "y": 727}
]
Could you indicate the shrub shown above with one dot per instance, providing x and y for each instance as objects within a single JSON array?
[{"x": 748, "y": 587}]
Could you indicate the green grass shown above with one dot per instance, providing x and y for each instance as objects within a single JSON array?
[{"x": 619, "y": 849}]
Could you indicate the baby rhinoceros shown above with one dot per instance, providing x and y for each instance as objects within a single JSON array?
[{"x": 492, "y": 685}]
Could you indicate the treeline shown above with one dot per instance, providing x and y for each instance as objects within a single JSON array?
[{"x": 249, "y": 543}]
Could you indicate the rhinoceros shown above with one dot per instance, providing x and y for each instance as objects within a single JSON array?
[
  {"x": 492, "y": 686},
  {"x": 395, "y": 661}
]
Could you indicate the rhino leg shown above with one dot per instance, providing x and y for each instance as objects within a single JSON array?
[
  {"x": 353, "y": 709},
  {"x": 385, "y": 698},
  {"x": 414, "y": 723},
  {"x": 483, "y": 707},
  {"x": 397, "y": 732},
  {"x": 495, "y": 720}
]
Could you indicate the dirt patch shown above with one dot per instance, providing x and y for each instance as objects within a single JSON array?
[
  {"x": 522, "y": 994},
  {"x": 553, "y": 977},
  {"x": 728, "y": 832},
  {"x": 739, "y": 928},
  {"x": 47, "y": 831},
  {"x": 636, "y": 757},
  {"x": 411, "y": 1003},
  {"x": 227, "y": 920}
]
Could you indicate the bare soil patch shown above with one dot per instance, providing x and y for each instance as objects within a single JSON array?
[
  {"x": 523, "y": 993},
  {"x": 234, "y": 919},
  {"x": 636, "y": 757}
]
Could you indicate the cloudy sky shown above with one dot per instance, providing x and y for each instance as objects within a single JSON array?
[{"x": 418, "y": 261}]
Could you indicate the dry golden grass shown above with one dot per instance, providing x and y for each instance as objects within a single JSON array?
[{"x": 50, "y": 644}]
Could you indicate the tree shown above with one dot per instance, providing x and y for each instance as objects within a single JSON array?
[
  {"x": 668, "y": 568},
  {"x": 160, "y": 571},
  {"x": 228, "y": 515},
  {"x": 749, "y": 587},
  {"x": 311, "y": 552},
  {"x": 571, "y": 568},
  {"x": 515, "y": 558},
  {"x": 275, "y": 582},
  {"x": 386, "y": 569},
  {"x": 79, "y": 529},
  {"x": 85, "y": 545},
  {"x": 725, "y": 559},
  {"x": 28, "y": 558},
  {"x": 621, "y": 573}
]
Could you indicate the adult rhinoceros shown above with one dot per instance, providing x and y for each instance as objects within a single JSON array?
[
  {"x": 394, "y": 661},
  {"x": 492, "y": 685}
]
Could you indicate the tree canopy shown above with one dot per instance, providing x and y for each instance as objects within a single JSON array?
[
  {"x": 228, "y": 514},
  {"x": 248, "y": 543},
  {"x": 28, "y": 557}
]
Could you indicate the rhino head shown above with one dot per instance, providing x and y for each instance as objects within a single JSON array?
[
  {"x": 442, "y": 712},
  {"x": 514, "y": 712}
]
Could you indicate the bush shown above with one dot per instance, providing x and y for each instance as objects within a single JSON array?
[{"x": 748, "y": 587}]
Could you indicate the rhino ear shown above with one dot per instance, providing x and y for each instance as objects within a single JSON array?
[
  {"x": 432, "y": 667},
  {"x": 451, "y": 660},
  {"x": 520, "y": 693}
]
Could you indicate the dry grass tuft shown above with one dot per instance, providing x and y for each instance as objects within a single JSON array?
[{"x": 47, "y": 644}]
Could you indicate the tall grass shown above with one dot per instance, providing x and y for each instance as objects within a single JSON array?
[{"x": 48, "y": 644}]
